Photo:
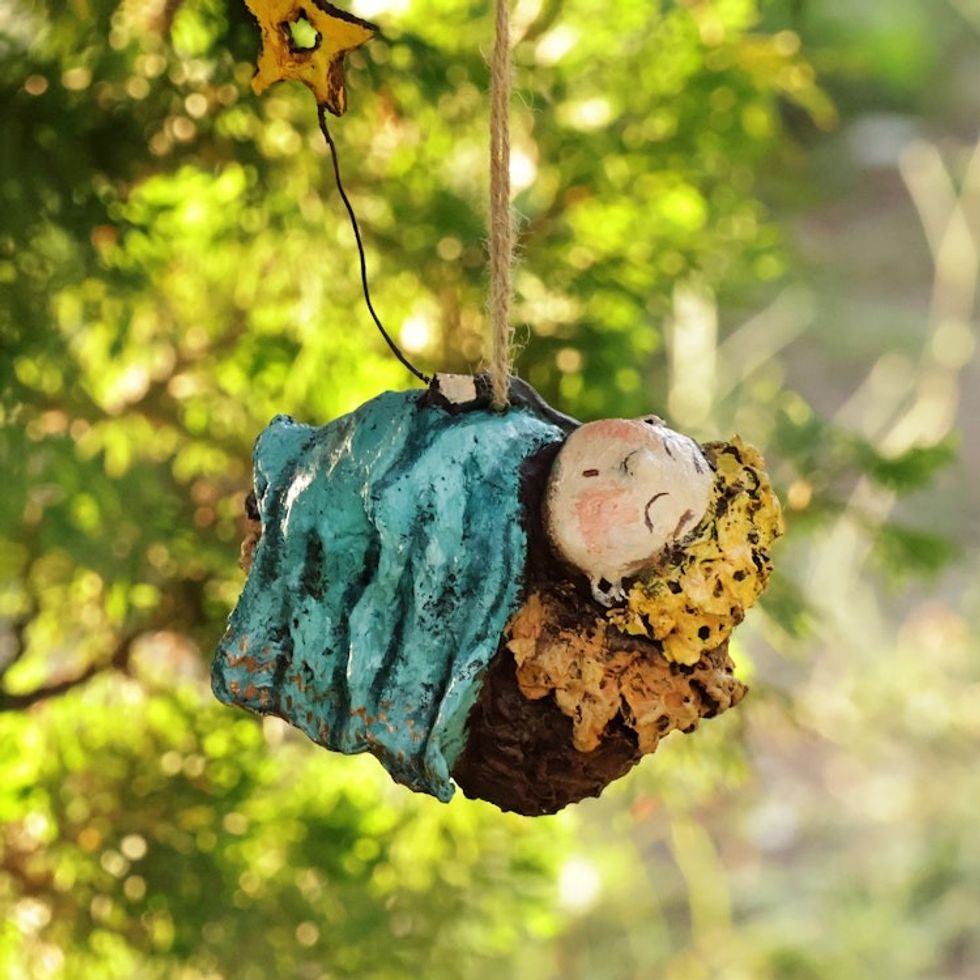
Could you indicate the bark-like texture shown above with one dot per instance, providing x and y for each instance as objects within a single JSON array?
[
  {"x": 519, "y": 753},
  {"x": 572, "y": 704}
]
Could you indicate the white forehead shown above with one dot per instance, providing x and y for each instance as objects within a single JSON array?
[{"x": 609, "y": 438}]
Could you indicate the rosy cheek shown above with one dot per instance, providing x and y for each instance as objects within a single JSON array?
[{"x": 599, "y": 511}]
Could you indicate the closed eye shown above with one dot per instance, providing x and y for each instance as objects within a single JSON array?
[
  {"x": 590, "y": 472},
  {"x": 625, "y": 464}
]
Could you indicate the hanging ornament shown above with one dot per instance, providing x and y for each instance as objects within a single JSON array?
[
  {"x": 307, "y": 40},
  {"x": 473, "y": 587}
]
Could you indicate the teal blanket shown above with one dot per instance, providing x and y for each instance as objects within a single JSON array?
[{"x": 391, "y": 558}]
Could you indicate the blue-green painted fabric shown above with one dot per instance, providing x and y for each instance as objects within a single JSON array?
[{"x": 391, "y": 557}]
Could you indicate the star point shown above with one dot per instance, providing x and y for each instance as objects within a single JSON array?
[{"x": 318, "y": 62}]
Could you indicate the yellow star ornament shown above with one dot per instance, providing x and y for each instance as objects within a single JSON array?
[{"x": 307, "y": 40}]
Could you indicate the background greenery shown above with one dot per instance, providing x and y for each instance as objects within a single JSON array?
[{"x": 761, "y": 216}]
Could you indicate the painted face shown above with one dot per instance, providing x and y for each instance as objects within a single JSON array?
[{"x": 619, "y": 492}]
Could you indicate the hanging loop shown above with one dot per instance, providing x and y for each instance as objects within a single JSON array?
[{"x": 501, "y": 220}]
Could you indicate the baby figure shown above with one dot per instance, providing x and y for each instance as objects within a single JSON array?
[
  {"x": 620, "y": 492},
  {"x": 402, "y": 600}
]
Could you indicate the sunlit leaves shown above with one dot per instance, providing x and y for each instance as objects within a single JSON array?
[
  {"x": 171, "y": 826},
  {"x": 176, "y": 268}
]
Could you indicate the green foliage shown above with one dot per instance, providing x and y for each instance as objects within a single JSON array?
[
  {"x": 828, "y": 460},
  {"x": 906, "y": 551},
  {"x": 911, "y": 470},
  {"x": 176, "y": 268},
  {"x": 161, "y": 829}
]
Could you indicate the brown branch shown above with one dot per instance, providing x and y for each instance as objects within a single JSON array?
[
  {"x": 165, "y": 20},
  {"x": 118, "y": 661},
  {"x": 549, "y": 13},
  {"x": 19, "y": 630}
]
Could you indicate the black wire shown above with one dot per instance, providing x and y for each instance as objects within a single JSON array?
[{"x": 321, "y": 116}]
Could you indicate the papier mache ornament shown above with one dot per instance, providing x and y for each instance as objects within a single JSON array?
[
  {"x": 511, "y": 602},
  {"x": 476, "y": 589}
]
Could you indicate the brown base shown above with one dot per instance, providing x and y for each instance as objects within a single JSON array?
[
  {"x": 583, "y": 682},
  {"x": 519, "y": 753}
]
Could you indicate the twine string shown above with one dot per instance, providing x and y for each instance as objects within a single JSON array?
[
  {"x": 321, "y": 116},
  {"x": 501, "y": 229},
  {"x": 501, "y": 221}
]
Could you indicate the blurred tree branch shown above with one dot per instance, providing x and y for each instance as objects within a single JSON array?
[
  {"x": 18, "y": 630},
  {"x": 118, "y": 661},
  {"x": 167, "y": 15}
]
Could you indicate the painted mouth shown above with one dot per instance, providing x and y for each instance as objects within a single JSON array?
[{"x": 650, "y": 503}]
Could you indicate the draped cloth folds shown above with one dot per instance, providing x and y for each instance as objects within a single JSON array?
[{"x": 391, "y": 558}]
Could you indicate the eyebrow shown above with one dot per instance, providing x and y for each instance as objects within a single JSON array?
[{"x": 626, "y": 459}]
